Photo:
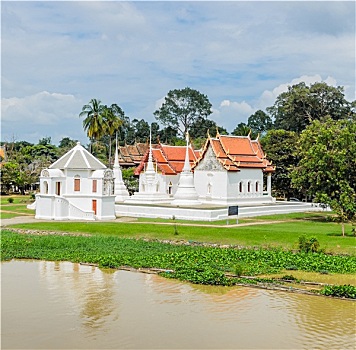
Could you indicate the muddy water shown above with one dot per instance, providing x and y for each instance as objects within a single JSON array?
[{"x": 48, "y": 305}]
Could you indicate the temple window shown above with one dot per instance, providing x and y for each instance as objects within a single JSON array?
[
  {"x": 58, "y": 188},
  {"x": 76, "y": 183},
  {"x": 45, "y": 185},
  {"x": 257, "y": 186},
  {"x": 170, "y": 186},
  {"x": 240, "y": 187},
  {"x": 95, "y": 185},
  {"x": 249, "y": 186},
  {"x": 209, "y": 188}
]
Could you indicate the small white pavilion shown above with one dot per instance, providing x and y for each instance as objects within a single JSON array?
[{"x": 76, "y": 187}]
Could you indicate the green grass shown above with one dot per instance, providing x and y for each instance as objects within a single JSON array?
[
  {"x": 285, "y": 234},
  {"x": 8, "y": 215},
  {"x": 13, "y": 210},
  {"x": 18, "y": 199}
]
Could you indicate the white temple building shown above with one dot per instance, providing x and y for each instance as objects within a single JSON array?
[
  {"x": 76, "y": 187},
  {"x": 233, "y": 170},
  {"x": 229, "y": 170}
]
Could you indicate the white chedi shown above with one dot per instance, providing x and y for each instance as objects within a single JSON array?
[
  {"x": 120, "y": 190},
  {"x": 186, "y": 193}
]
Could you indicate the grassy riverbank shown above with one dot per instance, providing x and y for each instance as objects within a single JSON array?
[
  {"x": 276, "y": 231},
  {"x": 197, "y": 264}
]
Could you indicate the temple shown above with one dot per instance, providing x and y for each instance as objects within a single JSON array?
[
  {"x": 231, "y": 170},
  {"x": 76, "y": 187}
]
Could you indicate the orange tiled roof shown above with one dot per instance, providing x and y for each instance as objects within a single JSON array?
[
  {"x": 131, "y": 155},
  {"x": 169, "y": 159},
  {"x": 237, "y": 152}
]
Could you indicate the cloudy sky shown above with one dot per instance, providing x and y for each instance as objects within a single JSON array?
[{"x": 56, "y": 56}]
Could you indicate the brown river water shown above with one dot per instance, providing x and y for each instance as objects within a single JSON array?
[{"x": 60, "y": 305}]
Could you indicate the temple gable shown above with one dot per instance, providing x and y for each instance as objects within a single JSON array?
[{"x": 209, "y": 162}]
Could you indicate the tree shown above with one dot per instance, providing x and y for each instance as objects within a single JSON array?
[
  {"x": 181, "y": 108},
  {"x": 327, "y": 166},
  {"x": 295, "y": 109},
  {"x": 200, "y": 127},
  {"x": 93, "y": 123},
  {"x": 280, "y": 148},
  {"x": 241, "y": 130},
  {"x": 259, "y": 122},
  {"x": 113, "y": 119},
  {"x": 141, "y": 130}
]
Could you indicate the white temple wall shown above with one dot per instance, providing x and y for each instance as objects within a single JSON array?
[
  {"x": 211, "y": 185},
  {"x": 163, "y": 182},
  {"x": 174, "y": 180},
  {"x": 248, "y": 183},
  {"x": 106, "y": 208},
  {"x": 85, "y": 182}
]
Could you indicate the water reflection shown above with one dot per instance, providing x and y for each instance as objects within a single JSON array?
[
  {"x": 66, "y": 306},
  {"x": 88, "y": 290}
]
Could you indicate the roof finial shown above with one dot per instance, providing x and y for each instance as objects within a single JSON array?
[
  {"x": 249, "y": 133},
  {"x": 217, "y": 131},
  {"x": 208, "y": 133}
]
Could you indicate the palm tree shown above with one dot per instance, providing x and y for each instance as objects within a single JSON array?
[
  {"x": 93, "y": 123},
  {"x": 113, "y": 120}
]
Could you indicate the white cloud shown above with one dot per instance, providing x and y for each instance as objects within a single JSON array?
[
  {"x": 40, "y": 115},
  {"x": 239, "y": 53},
  {"x": 268, "y": 97},
  {"x": 230, "y": 113},
  {"x": 43, "y": 108}
]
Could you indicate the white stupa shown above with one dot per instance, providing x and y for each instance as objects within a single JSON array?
[
  {"x": 186, "y": 193},
  {"x": 120, "y": 190},
  {"x": 149, "y": 187}
]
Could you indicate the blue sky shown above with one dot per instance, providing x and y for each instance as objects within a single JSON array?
[{"x": 56, "y": 56}]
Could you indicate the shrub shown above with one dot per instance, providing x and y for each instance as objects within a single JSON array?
[
  {"x": 345, "y": 291},
  {"x": 239, "y": 270},
  {"x": 10, "y": 200},
  {"x": 289, "y": 278},
  {"x": 308, "y": 245}
]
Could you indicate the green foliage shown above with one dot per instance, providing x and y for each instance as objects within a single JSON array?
[
  {"x": 242, "y": 130},
  {"x": 181, "y": 108},
  {"x": 295, "y": 109},
  {"x": 289, "y": 278},
  {"x": 327, "y": 166},
  {"x": 24, "y": 163},
  {"x": 344, "y": 291},
  {"x": 259, "y": 122},
  {"x": 280, "y": 147},
  {"x": 205, "y": 265},
  {"x": 308, "y": 245},
  {"x": 10, "y": 200},
  {"x": 239, "y": 269},
  {"x": 131, "y": 182}
]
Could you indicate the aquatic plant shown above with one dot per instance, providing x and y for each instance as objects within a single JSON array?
[{"x": 344, "y": 291}]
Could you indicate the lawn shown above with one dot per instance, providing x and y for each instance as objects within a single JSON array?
[
  {"x": 284, "y": 234},
  {"x": 17, "y": 208}
]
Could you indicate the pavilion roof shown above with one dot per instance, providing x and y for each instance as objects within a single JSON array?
[{"x": 237, "y": 152}]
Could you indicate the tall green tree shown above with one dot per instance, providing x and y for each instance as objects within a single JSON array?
[
  {"x": 113, "y": 119},
  {"x": 327, "y": 166},
  {"x": 280, "y": 148},
  {"x": 260, "y": 122},
  {"x": 181, "y": 108},
  {"x": 296, "y": 108},
  {"x": 93, "y": 123},
  {"x": 242, "y": 129}
]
